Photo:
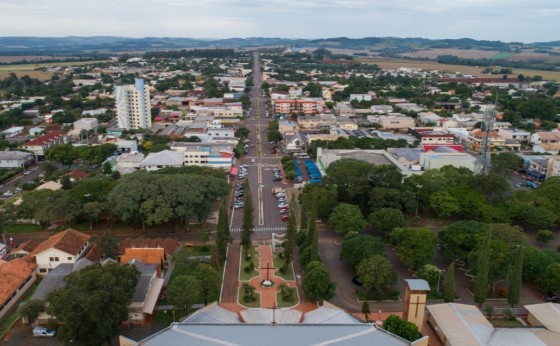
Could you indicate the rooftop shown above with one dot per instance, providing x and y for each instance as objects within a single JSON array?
[
  {"x": 69, "y": 241},
  {"x": 12, "y": 275}
]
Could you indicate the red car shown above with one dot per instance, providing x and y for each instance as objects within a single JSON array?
[{"x": 284, "y": 217}]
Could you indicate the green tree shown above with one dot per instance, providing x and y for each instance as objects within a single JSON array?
[
  {"x": 406, "y": 330},
  {"x": 481, "y": 286},
  {"x": 30, "y": 310},
  {"x": 365, "y": 310},
  {"x": 506, "y": 163},
  {"x": 222, "y": 233},
  {"x": 356, "y": 248},
  {"x": 444, "y": 204},
  {"x": 545, "y": 236},
  {"x": 386, "y": 219},
  {"x": 449, "y": 284},
  {"x": 242, "y": 132},
  {"x": 460, "y": 238},
  {"x": 107, "y": 168},
  {"x": 209, "y": 280},
  {"x": 347, "y": 218},
  {"x": 247, "y": 225},
  {"x": 274, "y": 136},
  {"x": 351, "y": 177},
  {"x": 63, "y": 153},
  {"x": 414, "y": 245},
  {"x": 183, "y": 292},
  {"x": 431, "y": 274},
  {"x": 291, "y": 233},
  {"x": 538, "y": 216},
  {"x": 66, "y": 182},
  {"x": 99, "y": 296},
  {"x": 109, "y": 247},
  {"x": 92, "y": 210},
  {"x": 317, "y": 284},
  {"x": 376, "y": 274},
  {"x": 550, "y": 281},
  {"x": 514, "y": 290}
]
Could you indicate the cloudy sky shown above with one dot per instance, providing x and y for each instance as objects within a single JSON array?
[{"x": 506, "y": 20}]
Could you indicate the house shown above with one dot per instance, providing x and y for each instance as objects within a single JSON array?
[
  {"x": 24, "y": 248},
  {"x": 546, "y": 142},
  {"x": 446, "y": 156},
  {"x": 38, "y": 146},
  {"x": 162, "y": 159},
  {"x": 86, "y": 124},
  {"x": 315, "y": 122},
  {"x": 429, "y": 118},
  {"x": 12, "y": 132},
  {"x": 155, "y": 256},
  {"x": 392, "y": 121},
  {"x": 295, "y": 142},
  {"x": 477, "y": 136},
  {"x": 360, "y": 97},
  {"x": 428, "y": 136},
  {"x": 146, "y": 293},
  {"x": 286, "y": 126},
  {"x": 346, "y": 124},
  {"x": 514, "y": 134},
  {"x": 76, "y": 174},
  {"x": 126, "y": 146},
  {"x": 16, "y": 277},
  {"x": 168, "y": 245},
  {"x": 15, "y": 159},
  {"x": 411, "y": 107},
  {"x": 537, "y": 166},
  {"x": 129, "y": 162},
  {"x": 381, "y": 109},
  {"x": 64, "y": 247},
  {"x": 344, "y": 110}
]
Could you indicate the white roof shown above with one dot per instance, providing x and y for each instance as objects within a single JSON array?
[
  {"x": 212, "y": 314},
  {"x": 267, "y": 316},
  {"x": 462, "y": 324},
  {"x": 328, "y": 315},
  {"x": 548, "y": 314},
  {"x": 163, "y": 158}
]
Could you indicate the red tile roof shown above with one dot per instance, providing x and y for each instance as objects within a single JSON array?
[
  {"x": 168, "y": 244},
  {"x": 78, "y": 175},
  {"x": 69, "y": 241},
  {"x": 27, "y": 246},
  {"x": 46, "y": 139},
  {"x": 12, "y": 275}
]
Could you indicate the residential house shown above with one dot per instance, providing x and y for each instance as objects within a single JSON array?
[
  {"x": 427, "y": 136},
  {"x": 154, "y": 256},
  {"x": 514, "y": 134},
  {"x": 12, "y": 131},
  {"x": 24, "y": 249},
  {"x": 86, "y": 124},
  {"x": 295, "y": 142},
  {"x": 497, "y": 125},
  {"x": 392, "y": 121},
  {"x": 15, "y": 159},
  {"x": 129, "y": 162},
  {"x": 169, "y": 246},
  {"x": 38, "y": 146},
  {"x": 346, "y": 124},
  {"x": 286, "y": 126},
  {"x": 537, "y": 166},
  {"x": 162, "y": 159},
  {"x": 546, "y": 142},
  {"x": 381, "y": 109},
  {"x": 360, "y": 97},
  {"x": 316, "y": 122},
  {"x": 146, "y": 293},
  {"x": 64, "y": 247},
  {"x": 16, "y": 277},
  {"x": 429, "y": 118},
  {"x": 126, "y": 146},
  {"x": 344, "y": 110},
  {"x": 411, "y": 107},
  {"x": 205, "y": 154},
  {"x": 553, "y": 168}
]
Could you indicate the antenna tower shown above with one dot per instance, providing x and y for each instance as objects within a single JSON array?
[{"x": 483, "y": 160}]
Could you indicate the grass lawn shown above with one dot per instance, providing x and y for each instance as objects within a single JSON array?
[
  {"x": 279, "y": 263},
  {"x": 502, "y": 322},
  {"x": 293, "y": 299},
  {"x": 23, "y": 228},
  {"x": 243, "y": 275},
  {"x": 9, "y": 320},
  {"x": 255, "y": 304},
  {"x": 165, "y": 317}
]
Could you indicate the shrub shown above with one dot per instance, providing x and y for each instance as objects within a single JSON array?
[
  {"x": 509, "y": 315},
  {"x": 544, "y": 236}
]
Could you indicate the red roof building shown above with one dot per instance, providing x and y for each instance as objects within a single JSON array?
[{"x": 40, "y": 144}]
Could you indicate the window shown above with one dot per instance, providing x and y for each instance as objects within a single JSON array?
[
  {"x": 51, "y": 259},
  {"x": 42, "y": 270},
  {"x": 69, "y": 258},
  {"x": 56, "y": 259}
]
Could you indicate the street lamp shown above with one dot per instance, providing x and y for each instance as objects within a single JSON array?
[
  {"x": 438, "y": 276},
  {"x": 418, "y": 198}
]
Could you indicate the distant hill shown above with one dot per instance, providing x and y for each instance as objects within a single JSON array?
[{"x": 104, "y": 45}]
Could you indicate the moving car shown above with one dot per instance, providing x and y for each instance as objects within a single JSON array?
[{"x": 42, "y": 332}]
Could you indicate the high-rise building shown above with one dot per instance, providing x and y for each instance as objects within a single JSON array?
[{"x": 133, "y": 105}]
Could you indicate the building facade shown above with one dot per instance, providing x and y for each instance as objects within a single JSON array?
[{"x": 133, "y": 105}]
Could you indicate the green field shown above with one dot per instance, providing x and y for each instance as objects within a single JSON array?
[
  {"x": 502, "y": 56},
  {"x": 22, "y": 228}
]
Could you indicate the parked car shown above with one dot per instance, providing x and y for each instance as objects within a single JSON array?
[
  {"x": 283, "y": 205},
  {"x": 8, "y": 193},
  {"x": 531, "y": 184},
  {"x": 238, "y": 205},
  {"x": 284, "y": 211},
  {"x": 356, "y": 281},
  {"x": 253, "y": 161},
  {"x": 27, "y": 172},
  {"x": 284, "y": 217},
  {"x": 42, "y": 332},
  {"x": 551, "y": 297}
]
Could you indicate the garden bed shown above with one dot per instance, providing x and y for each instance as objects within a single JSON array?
[
  {"x": 278, "y": 262},
  {"x": 288, "y": 300},
  {"x": 256, "y": 303},
  {"x": 243, "y": 274}
]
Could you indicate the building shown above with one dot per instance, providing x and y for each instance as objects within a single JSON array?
[
  {"x": 64, "y": 247},
  {"x": 205, "y": 154},
  {"x": 495, "y": 141},
  {"x": 392, "y": 121},
  {"x": 15, "y": 159},
  {"x": 12, "y": 131},
  {"x": 286, "y": 126},
  {"x": 16, "y": 277},
  {"x": 546, "y": 142},
  {"x": 38, "y": 146},
  {"x": 446, "y": 156},
  {"x": 346, "y": 124},
  {"x": 294, "y": 142},
  {"x": 162, "y": 159},
  {"x": 129, "y": 162},
  {"x": 427, "y": 136},
  {"x": 146, "y": 293},
  {"x": 155, "y": 256},
  {"x": 126, "y": 146},
  {"x": 300, "y": 106},
  {"x": 168, "y": 245},
  {"x": 133, "y": 105},
  {"x": 514, "y": 134},
  {"x": 86, "y": 124},
  {"x": 465, "y": 325},
  {"x": 315, "y": 122}
]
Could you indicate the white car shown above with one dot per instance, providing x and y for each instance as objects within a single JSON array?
[{"x": 42, "y": 332}]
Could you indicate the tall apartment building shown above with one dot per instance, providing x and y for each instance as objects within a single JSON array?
[{"x": 133, "y": 105}]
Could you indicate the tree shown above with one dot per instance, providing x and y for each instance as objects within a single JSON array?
[
  {"x": 406, "y": 330},
  {"x": 444, "y": 204},
  {"x": 431, "y": 274},
  {"x": 357, "y": 247},
  {"x": 351, "y": 177},
  {"x": 347, "y": 218},
  {"x": 365, "y": 310},
  {"x": 386, "y": 219},
  {"x": 247, "y": 226},
  {"x": 274, "y": 136},
  {"x": 107, "y": 168},
  {"x": 92, "y": 210},
  {"x": 222, "y": 233},
  {"x": 550, "y": 281},
  {"x": 514, "y": 289},
  {"x": 66, "y": 182},
  {"x": 481, "y": 286},
  {"x": 449, "y": 284},
  {"x": 544, "y": 235},
  {"x": 460, "y": 238},
  {"x": 209, "y": 280},
  {"x": 376, "y": 274},
  {"x": 109, "y": 247},
  {"x": 538, "y": 216},
  {"x": 183, "y": 292},
  {"x": 414, "y": 245},
  {"x": 291, "y": 233},
  {"x": 317, "y": 284},
  {"x": 242, "y": 132},
  {"x": 506, "y": 163},
  {"x": 99, "y": 296},
  {"x": 30, "y": 310},
  {"x": 63, "y": 153}
]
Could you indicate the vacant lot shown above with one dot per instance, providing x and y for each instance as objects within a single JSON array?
[{"x": 388, "y": 64}]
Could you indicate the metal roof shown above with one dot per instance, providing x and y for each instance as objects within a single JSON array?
[
  {"x": 461, "y": 324},
  {"x": 267, "y": 316},
  {"x": 418, "y": 284},
  {"x": 212, "y": 314},
  {"x": 328, "y": 315},
  {"x": 548, "y": 314}
]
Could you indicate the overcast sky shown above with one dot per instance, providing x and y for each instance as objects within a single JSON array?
[{"x": 506, "y": 20}]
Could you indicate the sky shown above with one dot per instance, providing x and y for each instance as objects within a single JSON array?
[{"x": 504, "y": 20}]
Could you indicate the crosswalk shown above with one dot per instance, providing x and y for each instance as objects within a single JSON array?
[{"x": 262, "y": 229}]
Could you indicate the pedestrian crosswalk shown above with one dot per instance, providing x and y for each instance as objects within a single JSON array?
[{"x": 262, "y": 229}]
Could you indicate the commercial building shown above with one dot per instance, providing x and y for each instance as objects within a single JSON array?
[
  {"x": 205, "y": 154},
  {"x": 133, "y": 105}
]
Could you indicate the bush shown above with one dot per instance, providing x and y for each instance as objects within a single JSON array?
[
  {"x": 285, "y": 159},
  {"x": 544, "y": 236},
  {"x": 509, "y": 315}
]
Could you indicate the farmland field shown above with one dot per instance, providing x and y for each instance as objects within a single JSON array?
[
  {"x": 29, "y": 69},
  {"x": 31, "y": 58},
  {"x": 502, "y": 55},
  {"x": 463, "y": 53},
  {"x": 389, "y": 64}
]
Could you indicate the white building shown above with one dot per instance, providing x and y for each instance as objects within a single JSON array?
[
  {"x": 162, "y": 159},
  {"x": 133, "y": 105},
  {"x": 86, "y": 124},
  {"x": 12, "y": 131},
  {"x": 205, "y": 154},
  {"x": 15, "y": 159}
]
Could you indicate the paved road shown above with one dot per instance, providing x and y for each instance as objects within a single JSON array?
[{"x": 20, "y": 179}]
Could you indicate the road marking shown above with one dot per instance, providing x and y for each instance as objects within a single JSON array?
[
  {"x": 261, "y": 206},
  {"x": 262, "y": 229}
]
